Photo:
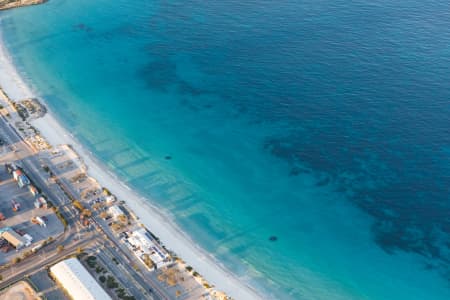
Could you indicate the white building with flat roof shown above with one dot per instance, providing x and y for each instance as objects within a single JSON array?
[
  {"x": 77, "y": 281},
  {"x": 115, "y": 211},
  {"x": 144, "y": 243}
]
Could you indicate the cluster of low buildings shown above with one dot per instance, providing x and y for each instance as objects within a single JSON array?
[
  {"x": 140, "y": 241},
  {"x": 16, "y": 238}
]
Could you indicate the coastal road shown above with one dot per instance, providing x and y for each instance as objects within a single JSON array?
[
  {"x": 127, "y": 260},
  {"x": 32, "y": 164}
]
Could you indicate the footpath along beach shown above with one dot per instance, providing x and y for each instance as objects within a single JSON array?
[{"x": 157, "y": 221}]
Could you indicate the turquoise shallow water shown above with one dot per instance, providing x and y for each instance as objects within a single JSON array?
[{"x": 322, "y": 123}]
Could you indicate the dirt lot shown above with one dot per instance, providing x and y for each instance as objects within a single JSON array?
[{"x": 19, "y": 291}]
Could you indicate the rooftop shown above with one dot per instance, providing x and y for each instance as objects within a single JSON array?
[{"x": 77, "y": 281}]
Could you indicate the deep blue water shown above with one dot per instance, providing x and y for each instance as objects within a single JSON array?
[{"x": 324, "y": 123}]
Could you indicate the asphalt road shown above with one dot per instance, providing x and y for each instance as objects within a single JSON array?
[
  {"x": 39, "y": 262},
  {"x": 147, "y": 286}
]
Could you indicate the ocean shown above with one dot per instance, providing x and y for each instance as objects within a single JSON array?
[{"x": 305, "y": 144}]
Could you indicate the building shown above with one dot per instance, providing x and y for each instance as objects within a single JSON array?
[
  {"x": 77, "y": 281},
  {"x": 14, "y": 239},
  {"x": 115, "y": 211},
  {"x": 110, "y": 199},
  {"x": 143, "y": 243}
]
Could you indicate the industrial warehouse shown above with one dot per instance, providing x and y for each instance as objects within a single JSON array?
[
  {"x": 16, "y": 240},
  {"x": 77, "y": 281}
]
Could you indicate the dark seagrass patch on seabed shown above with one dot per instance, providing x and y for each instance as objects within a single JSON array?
[{"x": 410, "y": 207}]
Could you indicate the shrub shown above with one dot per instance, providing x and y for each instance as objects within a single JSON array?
[
  {"x": 86, "y": 212},
  {"x": 90, "y": 260},
  {"x": 148, "y": 261},
  {"x": 77, "y": 204},
  {"x": 16, "y": 260},
  {"x": 206, "y": 285},
  {"x": 26, "y": 254},
  {"x": 111, "y": 282},
  {"x": 60, "y": 217},
  {"x": 106, "y": 192}
]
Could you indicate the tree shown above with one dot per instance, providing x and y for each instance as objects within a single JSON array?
[
  {"x": 78, "y": 205},
  {"x": 103, "y": 214},
  {"x": 123, "y": 219},
  {"x": 26, "y": 254},
  {"x": 111, "y": 282},
  {"x": 97, "y": 205},
  {"x": 16, "y": 260},
  {"x": 116, "y": 226},
  {"x": 60, "y": 248},
  {"x": 87, "y": 212},
  {"x": 148, "y": 261},
  {"x": 106, "y": 192}
]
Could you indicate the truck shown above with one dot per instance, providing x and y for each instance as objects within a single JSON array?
[
  {"x": 43, "y": 202},
  {"x": 16, "y": 173},
  {"x": 36, "y": 248},
  {"x": 38, "y": 221},
  {"x": 37, "y": 204},
  {"x": 41, "y": 222},
  {"x": 23, "y": 180},
  {"x": 15, "y": 205},
  {"x": 40, "y": 202}
]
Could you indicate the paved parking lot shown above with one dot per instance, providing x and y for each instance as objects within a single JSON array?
[
  {"x": 21, "y": 220},
  {"x": 46, "y": 287}
]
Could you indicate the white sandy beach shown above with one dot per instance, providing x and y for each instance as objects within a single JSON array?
[{"x": 155, "y": 220}]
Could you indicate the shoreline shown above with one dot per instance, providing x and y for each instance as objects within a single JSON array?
[
  {"x": 157, "y": 221},
  {"x": 17, "y": 3}
]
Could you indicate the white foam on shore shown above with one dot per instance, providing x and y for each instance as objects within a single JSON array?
[{"x": 153, "y": 218}]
